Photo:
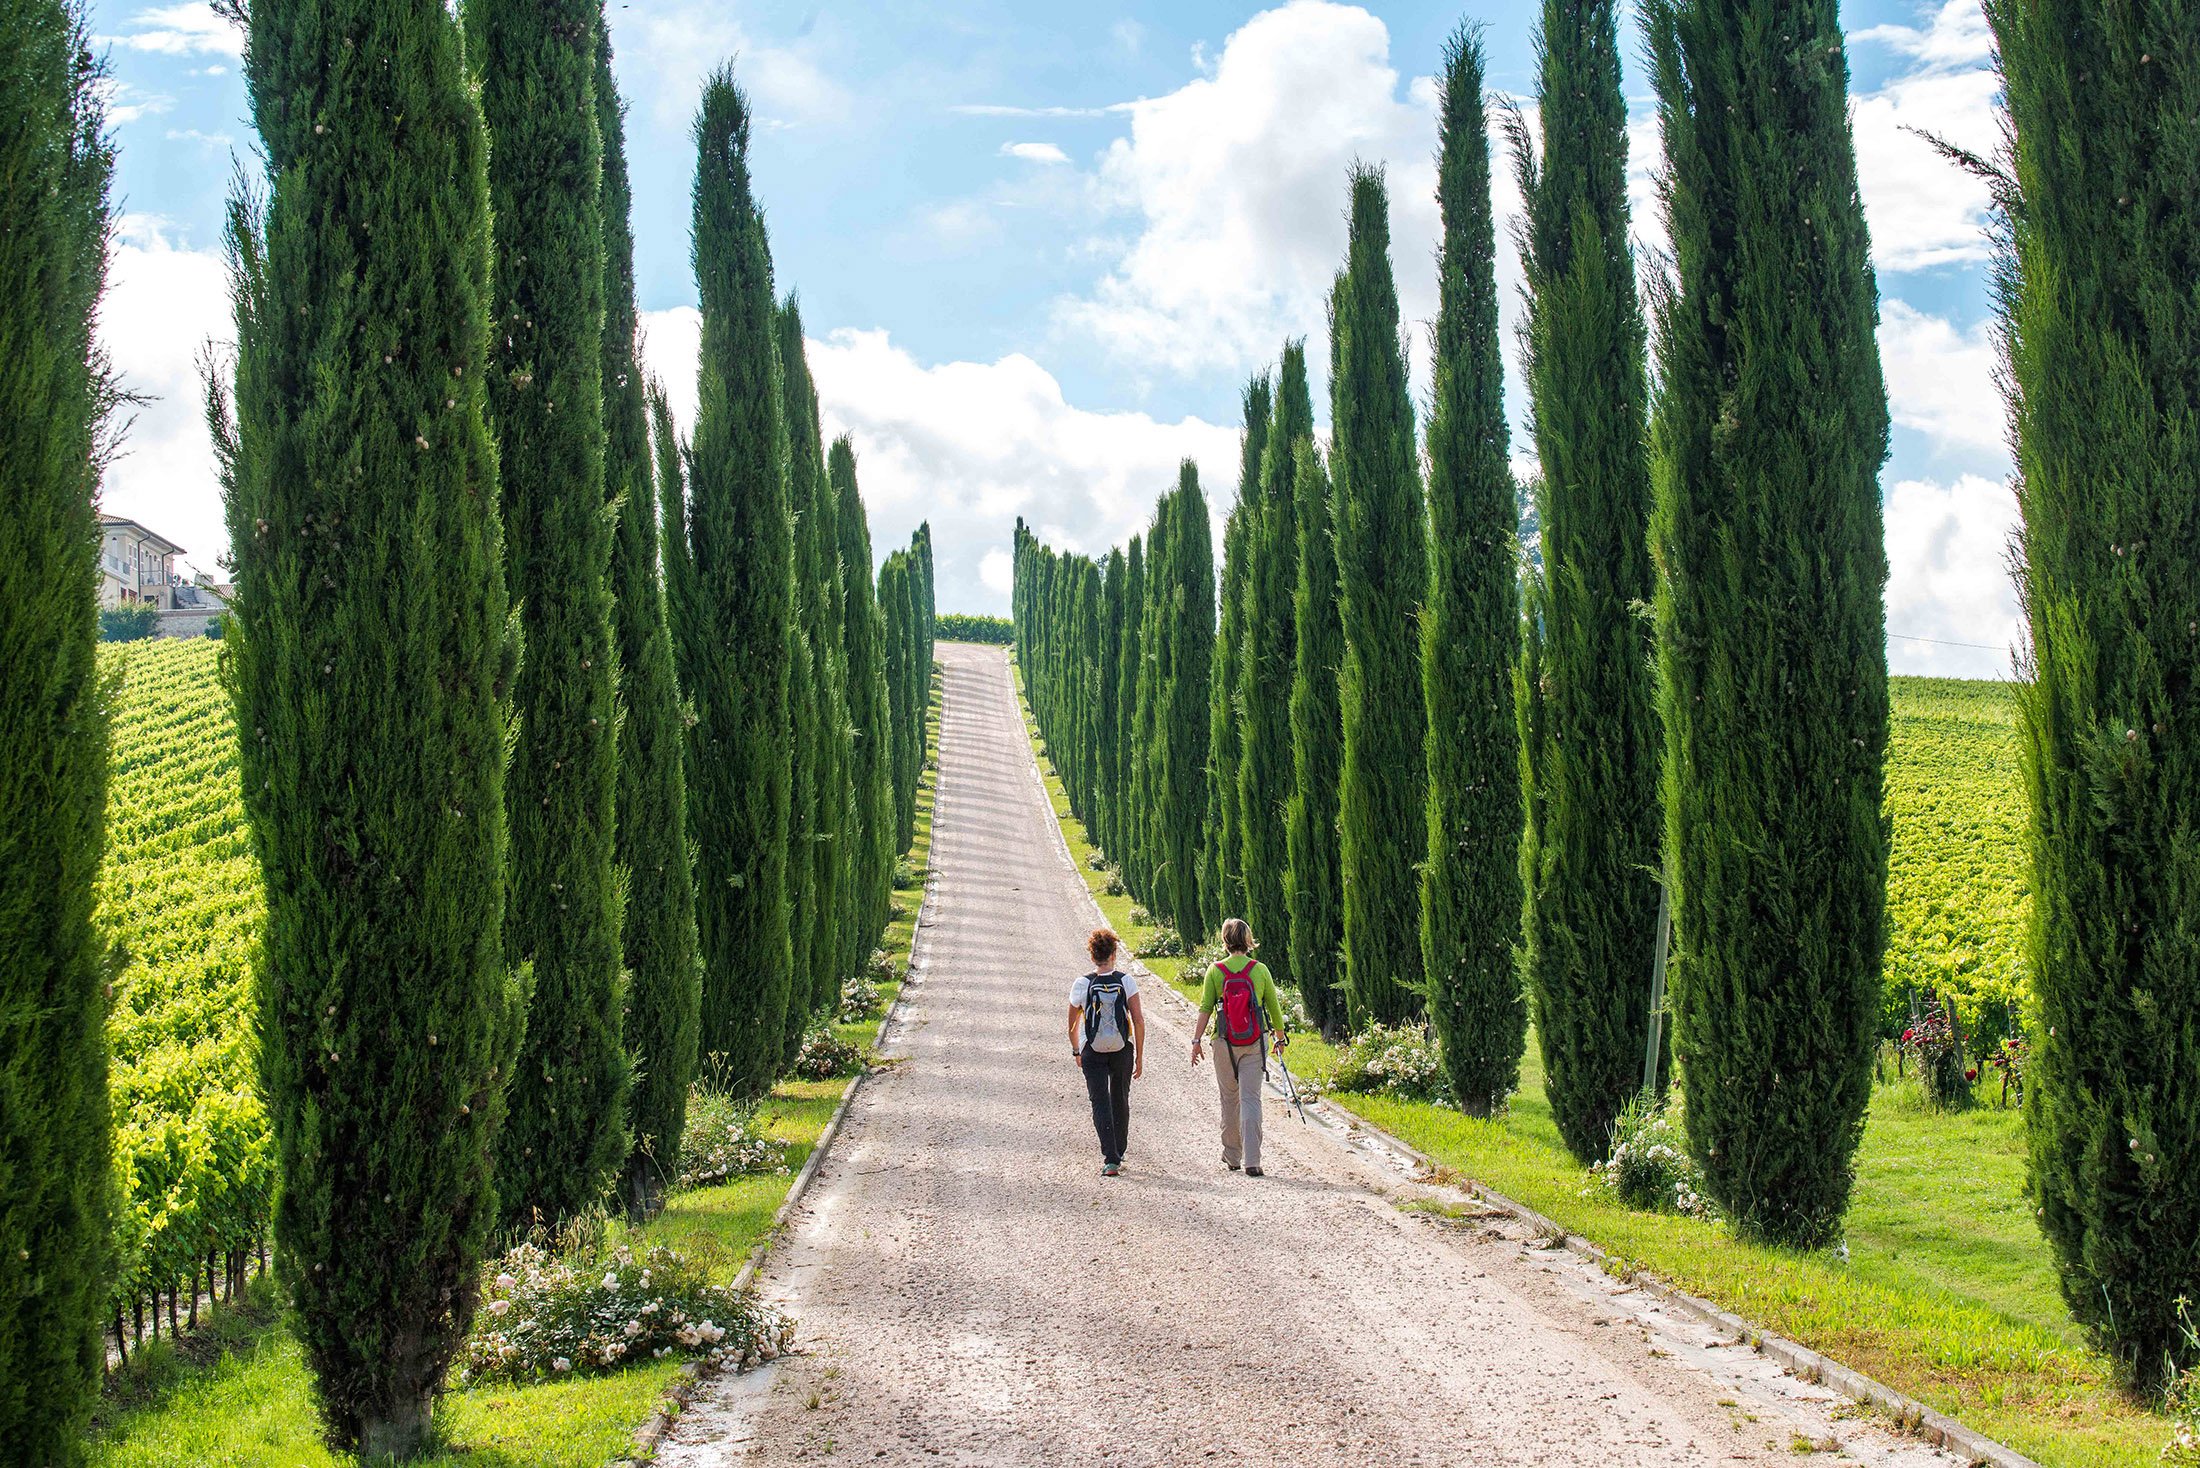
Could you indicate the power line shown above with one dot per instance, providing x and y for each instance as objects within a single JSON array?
[{"x": 1943, "y": 642}]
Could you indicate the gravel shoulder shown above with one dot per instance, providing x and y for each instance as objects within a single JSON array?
[{"x": 971, "y": 1291}]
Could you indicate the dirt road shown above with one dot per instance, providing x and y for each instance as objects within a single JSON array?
[{"x": 971, "y": 1291}]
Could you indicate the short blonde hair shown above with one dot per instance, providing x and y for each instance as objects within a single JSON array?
[{"x": 1237, "y": 936}]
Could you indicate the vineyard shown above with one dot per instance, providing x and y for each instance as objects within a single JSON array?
[
  {"x": 194, "y": 1169},
  {"x": 1956, "y": 888}
]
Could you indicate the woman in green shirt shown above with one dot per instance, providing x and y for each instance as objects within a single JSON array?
[{"x": 1242, "y": 989}]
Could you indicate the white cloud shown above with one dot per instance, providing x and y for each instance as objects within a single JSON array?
[
  {"x": 203, "y": 139},
  {"x": 180, "y": 30},
  {"x": 999, "y": 109},
  {"x": 1924, "y": 211},
  {"x": 125, "y": 104},
  {"x": 1940, "y": 379},
  {"x": 1238, "y": 182},
  {"x": 164, "y": 303},
  {"x": 1034, "y": 152},
  {"x": 1956, "y": 37},
  {"x": 1951, "y": 609},
  {"x": 972, "y": 445},
  {"x": 1128, "y": 36},
  {"x": 680, "y": 42}
]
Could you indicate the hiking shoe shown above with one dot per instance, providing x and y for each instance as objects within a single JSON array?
[
  {"x": 1233, "y": 1166},
  {"x": 1110, "y": 1169},
  {"x": 1254, "y": 1172}
]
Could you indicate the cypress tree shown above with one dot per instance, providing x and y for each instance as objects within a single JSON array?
[
  {"x": 54, "y": 1129},
  {"x": 664, "y": 968},
  {"x": 1223, "y": 830},
  {"x": 1587, "y": 713},
  {"x": 371, "y": 656},
  {"x": 1142, "y": 861},
  {"x": 1771, "y": 629},
  {"x": 1382, "y": 579},
  {"x": 1265, "y": 675},
  {"x": 1129, "y": 663},
  {"x": 2102, "y": 334},
  {"x": 565, "y": 1129},
  {"x": 864, "y": 630},
  {"x": 893, "y": 594},
  {"x": 1470, "y": 633},
  {"x": 730, "y": 580},
  {"x": 1313, "y": 889},
  {"x": 1108, "y": 725},
  {"x": 821, "y": 955},
  {"x": 1190, "y": 610}
]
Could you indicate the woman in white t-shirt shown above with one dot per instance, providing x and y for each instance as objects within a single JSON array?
[{"x": 1107, "y": 1039}]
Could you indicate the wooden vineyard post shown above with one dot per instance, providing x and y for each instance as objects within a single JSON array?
[{"x": 1657, "y": 991}]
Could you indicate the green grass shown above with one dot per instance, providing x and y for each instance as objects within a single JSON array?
[
  {"x": 236, "y": 1394},
  {"x": 1949, "y": 1293}
]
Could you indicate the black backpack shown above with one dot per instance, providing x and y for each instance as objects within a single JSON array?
[{"x": 1107, "y": 1014}]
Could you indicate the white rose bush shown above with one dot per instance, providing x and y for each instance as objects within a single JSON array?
[{"x": 543, "y": 1316}]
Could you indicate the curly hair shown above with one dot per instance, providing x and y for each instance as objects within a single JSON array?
[{"x": 1102, "y": 945}]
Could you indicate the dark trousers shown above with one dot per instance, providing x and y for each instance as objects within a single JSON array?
[{"x": 1108, "y": 1083}]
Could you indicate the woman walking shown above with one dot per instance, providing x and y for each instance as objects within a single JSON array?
[
  {"x": 1240, "y": 987},
  {"x": 1107, "y": 1039}
]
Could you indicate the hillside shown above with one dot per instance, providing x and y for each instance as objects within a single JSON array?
[{"x": 181, "y": 896}]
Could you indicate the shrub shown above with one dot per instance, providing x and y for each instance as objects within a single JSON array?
[
  {"x": 724, "y": 1140},
  {"x": 825, "y": 1055},
  {"x": 965, "y": 627},
  {"x": 1939, "y": 1057},
  {"x": 133, "y": 621},
  {"x": 545, "y": 1316},
  {"x": 1650, "y": 1168},
  {"x": 859, "y": 999},
  {"x": 1167, "y": 943},
  {"x": 1114, "y": 886},
  {"x": 1403, "y": 1061}
]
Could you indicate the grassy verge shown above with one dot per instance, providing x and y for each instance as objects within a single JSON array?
[
  {"x": 1948, "y": 1294},
  {"x": 236, "y": 1394}
]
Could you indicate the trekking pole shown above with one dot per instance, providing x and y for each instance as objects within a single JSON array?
[{"x": 1293, "y": 1086}]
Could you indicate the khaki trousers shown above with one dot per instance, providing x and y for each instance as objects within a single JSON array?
[{"x": 1238, "y": 1075}]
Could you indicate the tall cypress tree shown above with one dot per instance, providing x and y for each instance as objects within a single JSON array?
[
  {"x": 1265, "y": 676},
  {"x": 864, "y": 629},
  {"x": 371, "y": 656},
  {"x": 1382, "y": 580},
  {"x": 1190, "y": 610},
  {"x": 817, "y": 553},
  {"x": 729, "y": 574},
  {"x": 1224, "y": 832},
  {"x": 2102, "y": 333},
  {"x": 1129, "y": 661},
  {"x": 1142, "y": 860},
  {"x": 54, "y": 1131},
  {"x": 1588, "y": 716},
  {"x": 664, "y": 968},
  {"x": 1313, "y": 890},
  {"x": 893, "y": 595},
  {"x": 1108, "y": 727},
  {"x": 535, "y": 64},
  {"x": 1470, "y": 634},
  {"x": 1771, "y": 628}
]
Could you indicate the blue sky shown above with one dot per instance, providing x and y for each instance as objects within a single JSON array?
[{"x": 1039, "y": 247}]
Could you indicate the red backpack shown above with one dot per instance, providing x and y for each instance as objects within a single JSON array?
[{"x": 1240, "y": 1006}]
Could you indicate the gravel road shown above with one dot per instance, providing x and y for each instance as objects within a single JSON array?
[{"x": 971, "y": 1291}]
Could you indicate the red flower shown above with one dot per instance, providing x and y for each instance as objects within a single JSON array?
[
  {"x": 1971, "y": 1074},
  {"x": 1908, "y": 1036}
]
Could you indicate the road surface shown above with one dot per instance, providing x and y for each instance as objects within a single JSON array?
[{"x": 970, "y": 1291}]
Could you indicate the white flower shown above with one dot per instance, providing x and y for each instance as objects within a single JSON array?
[
  {"x": 611, "y": 1282},
  {"x": 500, "y": 1307},
  {"x": 505, "y": 1281},
  {"x": 561, "y": 1364}
]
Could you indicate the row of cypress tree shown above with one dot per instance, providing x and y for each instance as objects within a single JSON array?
[
  {"x": 1434, "y": 778},
  {"x": 565, "y": 752}
]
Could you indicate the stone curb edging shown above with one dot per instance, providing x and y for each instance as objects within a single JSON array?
[
  {"x": 651, "y": 1436},
  {"x": 1908, "y": 1413}
]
